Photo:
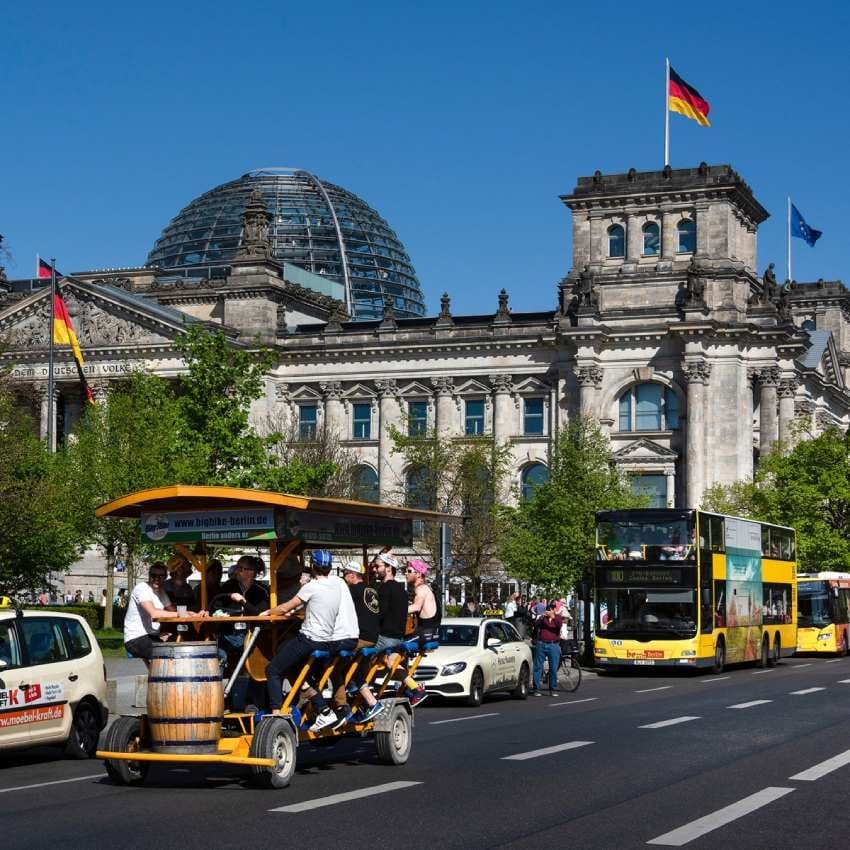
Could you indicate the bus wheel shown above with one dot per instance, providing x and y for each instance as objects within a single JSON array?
[
  {"x": 776, "y": 654},
  {"x": 842, "y": 647},
  {"x": 764, "y": 659},
  {"x": 719, "y": 657}
]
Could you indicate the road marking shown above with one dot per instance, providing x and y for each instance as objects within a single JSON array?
[
  {"x": 547, "y": 751},
  {"x": 806, "y": 691},
  {"x": 573, "y": 701},
  {"x": 468, "y": 717},
  {"x": 662, "y": 723},
  {"x": 53, "y": 782},
  {"x": 650, "y": 690},
  {"x": 699, "y": 827},
  {"x": 333, "y": 799},
  {"x": 819, "y": 770},
  {"x": 709, "y": 681},
  {"x": 807, "y": 664},
  {"x": 834, "y": 660},
  {"x": 759, "y": 672},
  {"x": 844, "y": 681},
  {"x": 750, "y": 704}
]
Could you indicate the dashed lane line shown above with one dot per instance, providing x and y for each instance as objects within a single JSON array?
[
  {"x": 822, "y": 769},
  {"x": 672, "y": 722},
  {"x": 712, "y": 680},
  {"x": 52, "y": 782},
  {"x": 806, "y": 691},
  {"x": 833, "y": 660},
  {"x": 573, "y": 701},
  {"x": 333, "y": 799},
  {"x": 650, "y": 690},
  {"x": 697, "y": 828},
  {"x": 807, "y": 664},
  {"x": 468, "y": 717},
  {"x": 750, "y": 704},
  {"x": 844, "y": 681},
  {"x": 759, "y": 672},
  {"x": 547, "y": 751}
]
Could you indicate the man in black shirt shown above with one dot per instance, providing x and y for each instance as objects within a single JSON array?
[
  {"x": 392, "y": 599},
  {"x": 366, "y": 605}
]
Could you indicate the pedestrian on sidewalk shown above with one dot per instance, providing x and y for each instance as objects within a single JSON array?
[{"x": 547, "y": 637}]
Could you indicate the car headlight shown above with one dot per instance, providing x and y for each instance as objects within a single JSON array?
[{"x": 453, "y": 669}]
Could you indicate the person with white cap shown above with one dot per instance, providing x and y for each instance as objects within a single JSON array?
[
  {"x": 367, "y": 606},
  {"x": 392, "y": 599}
]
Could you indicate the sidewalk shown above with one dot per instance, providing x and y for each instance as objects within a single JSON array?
[{"x": 126, "y": 683}]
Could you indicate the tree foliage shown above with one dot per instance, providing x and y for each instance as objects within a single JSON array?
[{"x": 549, "y": 539}]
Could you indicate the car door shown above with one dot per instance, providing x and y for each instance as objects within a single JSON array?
[
  {"x": 495, "y": 655},
  {"x": 14, "y": 730},
  {"x": 513, "y": 647},
  {"x": 48, "y": 684}
]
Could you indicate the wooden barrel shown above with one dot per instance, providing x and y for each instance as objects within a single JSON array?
[{"x": 185, "y": 698}]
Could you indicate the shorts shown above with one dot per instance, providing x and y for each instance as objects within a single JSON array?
[{"x": 141, "y": 647}]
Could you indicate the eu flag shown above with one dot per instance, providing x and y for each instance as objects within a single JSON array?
[{"x": 800, "y": 229}]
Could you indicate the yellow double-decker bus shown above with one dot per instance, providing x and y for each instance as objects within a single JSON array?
[
  {"x": 688, "y": 588},
  {"x": 823, "y": 620}
]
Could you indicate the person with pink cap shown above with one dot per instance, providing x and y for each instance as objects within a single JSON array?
[{"x": 428, "y": 612}]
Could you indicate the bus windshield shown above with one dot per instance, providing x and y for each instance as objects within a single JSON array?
[
  {"x": 814, "y": 604},
  {"x": 632, "y": 612},
  {"x": 637, "y": 540}
]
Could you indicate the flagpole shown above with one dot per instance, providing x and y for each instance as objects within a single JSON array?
[
  {"x": 50, "y": 446},
  {"x": 788, "y": 237},
  {"x": 666, "y": 112}
]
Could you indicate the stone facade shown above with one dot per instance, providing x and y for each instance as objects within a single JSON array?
[{"x": 662, "y": 331}]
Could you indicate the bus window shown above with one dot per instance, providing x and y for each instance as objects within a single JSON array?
[
  {"x": 717, "y": 534},
  {"x": 765, "y": 541},
  {"x": 776, "y": 604},
  {"x": 784, "y": 545},
  {"x": 719, "y": 604}
]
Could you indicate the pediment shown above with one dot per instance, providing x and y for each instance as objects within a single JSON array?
[
  {"x": 531, "y": 384},
  {"x": 103, "y": 317},
  {"x": 414, "y": 389},
  {"x": 359, "y": 391},
  {"x": 645, "y": 450},
  {"x": 304, "y": 393},
  {"x": 472, "y": 387}
]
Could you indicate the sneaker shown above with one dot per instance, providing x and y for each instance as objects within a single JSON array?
[
  {"x": 351, "y": 717},
  {"x": 537, "y": 693},
  {"x": 372, "y": 712},
  {"x": 553, "y": 693},
  {"x": 325, "y": 719},
  {"x": 418, "y": 696}
]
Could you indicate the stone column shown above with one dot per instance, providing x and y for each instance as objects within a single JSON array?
[
  {"x": 669, "y": 235},
  {"x": 589, "y": 379},
  {"x": 697, "y": 374},
  {"x": 634, "y": 246},
  {"x": 787, "y": 391},
  {"x": 702, "y": 226},
  {"x": 100, "y": 390},
  {"x": 445, "y": 405},
  {"x": 598, "y": 246},
  {"x": 42, "y": 392},
  {"x": 502, "y": 407},
  {"x": 768, "y": 423},
  {"x": 389, "y": 413},
  {"x": 334, "y": 412},
  {"x": 670, "y": 475}
]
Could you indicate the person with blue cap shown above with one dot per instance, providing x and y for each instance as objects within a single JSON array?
[{"x": 330, "y": 624}]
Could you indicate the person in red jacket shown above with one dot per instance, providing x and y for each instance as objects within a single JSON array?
[{"x": 547, "y": 644}]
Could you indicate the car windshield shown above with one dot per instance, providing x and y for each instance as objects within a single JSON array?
[
  {"x": 633, "y": 612},
  {"x": 813, "y": 604},
  {"x": 458, "y": 635}
]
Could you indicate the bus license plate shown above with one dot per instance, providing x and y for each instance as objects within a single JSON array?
[{"x": 648, "y": 661}]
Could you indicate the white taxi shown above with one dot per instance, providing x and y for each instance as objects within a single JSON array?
[
  {"x": 477, "y": 656},
  {"x": 52, "y": 682}
]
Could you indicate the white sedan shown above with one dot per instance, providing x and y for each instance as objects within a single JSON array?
[{"x": 477, "y": 656}]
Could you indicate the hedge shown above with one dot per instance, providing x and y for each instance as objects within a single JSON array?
[{"x": 92, "y": 613}]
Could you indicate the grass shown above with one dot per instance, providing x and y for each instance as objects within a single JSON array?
[{"x": 111, "y": 643}]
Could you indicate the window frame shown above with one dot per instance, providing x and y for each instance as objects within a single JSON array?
[
  {"x": 420, "y": 423},
  {"x": 307, "y": 429},
  {"x": 643, "y": 231},
  {"x": 524, "y": 485},
  {"x": 367, "y": 421},
  {"x": 622, "y": 237},
  {"x": 58, "y": 639},
  {"x": 542, "y": 416},
  {"x": 629, "y": 398},
  {"x": 65, "y": 625},
  {"x": 468, "y": 418},
  {"x": 358, "y": 491},
  {"x": 15, "y": 646},
  {"x": 689, "y": 225}
]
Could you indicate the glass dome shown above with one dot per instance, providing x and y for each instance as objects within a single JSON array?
[{"x": 318, "y": 226}]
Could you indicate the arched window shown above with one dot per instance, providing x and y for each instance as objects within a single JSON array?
[
  {"x": 418, "y": 489},
  {"x": 365, "y": 481},
  {"x": 616, "y": 241},
  {"x": 687, "y": 231},
  {"x": 533, "y": 476},
  {"x": 651, "y": 239},
  {"x": 649, "y": 407}
]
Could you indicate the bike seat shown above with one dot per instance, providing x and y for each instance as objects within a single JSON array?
[
  {"x": 345, "y": 653},
  {"x": 432, "y": 644},
  {"x": 320, "y": 653},
  {"x": 411, "y": 645},
  {"x": 368, "y": 651}
]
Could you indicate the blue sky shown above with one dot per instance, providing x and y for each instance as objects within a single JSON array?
[{"x": 461, "y": 122}]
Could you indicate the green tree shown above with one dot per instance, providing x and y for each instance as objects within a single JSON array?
[
  {"x": 38, "y": 535},
  {"x": 465, "y": 477},
  {"x": 549, "y": 539},
  {"x": 735, "y": 499},
  {"x": 215, "y": 397},
  {"x": 126, "y": 442}
]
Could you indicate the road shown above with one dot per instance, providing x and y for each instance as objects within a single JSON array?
[{"x": 750, "y": 759}]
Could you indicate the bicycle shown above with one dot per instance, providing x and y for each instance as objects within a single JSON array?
[{"x": 569, "y": 669}]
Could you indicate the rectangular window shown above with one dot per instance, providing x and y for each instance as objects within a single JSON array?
[
  {"x": 533, "y": 420},
  {"x": 626, "y": 411},
  {"x": 648, "y": 415},
  {"x": 653, "y": 486},
  {"x": 474, "y": 420},
  {"x": 307, "y": 417},
  {"x": 362, "y": 421},
  {"x": 10, "y": 652},
  {"x": 417, "y": 418},
  {"x": 43, "y": 641},
  {"x": 76, "y": 640}
]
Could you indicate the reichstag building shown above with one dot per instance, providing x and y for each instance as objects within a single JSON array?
[{"x": 662, "y": 329}]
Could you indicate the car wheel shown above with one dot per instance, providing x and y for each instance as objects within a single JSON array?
[
  {"x": 85, "y": 732},
  {"x": 394, "y": 745},
  {"x": 476, "y": 688},
  {"x": 124, "y": 736},
  {"x": 274, "y": 738},
  {"x": 719, "y": 657},
  {"x": 521, "y": 689}
]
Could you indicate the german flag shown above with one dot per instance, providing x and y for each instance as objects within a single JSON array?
[
  {"x": 63, "y": 334},
  {"x": 686, "y": 100}
]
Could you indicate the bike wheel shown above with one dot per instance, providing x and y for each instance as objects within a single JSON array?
[{"x": 569, "y": 675}]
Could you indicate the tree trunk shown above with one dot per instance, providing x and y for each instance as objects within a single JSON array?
[{"x": 110, "y": 584}]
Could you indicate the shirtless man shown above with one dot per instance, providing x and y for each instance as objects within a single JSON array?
[{"x": 424, "y": 603}]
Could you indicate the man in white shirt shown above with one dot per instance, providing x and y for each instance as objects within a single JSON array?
[
  {"x": 147, "y": 600},
  {"x": 330, "y": 624}
]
